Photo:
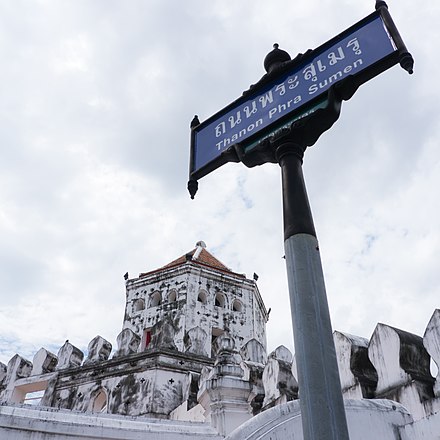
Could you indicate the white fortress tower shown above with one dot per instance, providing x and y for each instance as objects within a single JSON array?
[
  {"x": 180, "y": 322},
  {"x": 188, "y": 303}
]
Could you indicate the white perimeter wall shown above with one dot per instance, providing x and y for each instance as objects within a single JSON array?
[
  {"x": 367, "y": 420},
  {"x": 27, "y": 423}
]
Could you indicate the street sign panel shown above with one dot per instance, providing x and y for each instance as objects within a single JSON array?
[{"x": 361, "y": 52}]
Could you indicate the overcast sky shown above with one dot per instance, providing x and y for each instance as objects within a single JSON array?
[{"x": 96, "y": 100}]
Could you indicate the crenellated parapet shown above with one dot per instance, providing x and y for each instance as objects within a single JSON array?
[
  {"x": 403, "y": 368},
  {"x": 254, "y": 359},
  {"x": 43, "y": 362},
  {"x": 18, "y": 368},
  {"x": 235, "y": 385},
  {"x": 69, "y": 356},
  {"x": 3, "y": 371},
  {"x": 431, "y": 341},
  {"x": 98, "y": 350},
  {"x": 280, "y": 386},
  {"x": 357, "y": 373},
  {"x": 396, "y": 365},
  {"x": 195, "y": 341},
  {"x": 128, "y": 343}
]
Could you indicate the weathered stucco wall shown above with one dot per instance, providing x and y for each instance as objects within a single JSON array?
[{"x": 149, "y": 383}]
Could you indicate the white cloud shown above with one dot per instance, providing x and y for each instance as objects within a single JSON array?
[{"x": 73, "y": 55}]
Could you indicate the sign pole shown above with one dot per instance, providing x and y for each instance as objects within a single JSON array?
[
  {"x": 321, "y": 402},
  {"x": 274, "y": 121}
]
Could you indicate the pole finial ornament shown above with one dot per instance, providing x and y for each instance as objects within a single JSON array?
[{"x": 275, "y": 58}]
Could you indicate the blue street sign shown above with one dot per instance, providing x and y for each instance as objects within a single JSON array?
[{"x": 257, "y": 115}]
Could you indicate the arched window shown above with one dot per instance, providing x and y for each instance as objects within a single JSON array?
[
  {"x": 100, "y": 402},
  {"x": 202, "y": 297},
  {"x": 172, "y": 296},
  {"x": 237, "y": 306},
  {"x": 220, "y": 300},
  {"x": 138, "y": 305},
  {"x": 155, "y": 299}
]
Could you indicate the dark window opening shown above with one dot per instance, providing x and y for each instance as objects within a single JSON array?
[
  {"x": 219, "y": 300},
  {"x": 155, "y": 299},
  {"x": 237, "y": 306},
  {"x": 202, "y": 297},
  {"x": 138, "y": 305},
  {"x": 172, "y": 297}
]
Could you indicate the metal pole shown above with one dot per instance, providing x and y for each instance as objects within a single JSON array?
[{"x": 322, "y": 406}]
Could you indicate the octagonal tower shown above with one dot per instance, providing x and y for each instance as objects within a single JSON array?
[{"x": 186, "y": 304}]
